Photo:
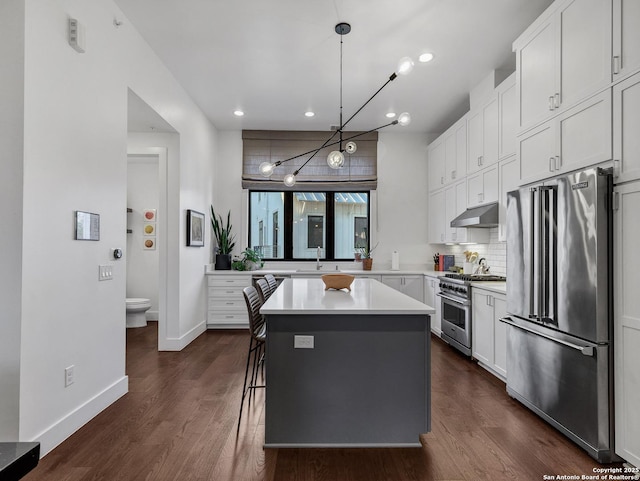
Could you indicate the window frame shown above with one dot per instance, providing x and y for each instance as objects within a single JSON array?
[{"x": 287, "y": 224}]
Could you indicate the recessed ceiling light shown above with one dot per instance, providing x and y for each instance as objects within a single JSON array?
[
  {"x": 391, "y": 115},
  {"x": 425, "y": 57},
  {"x": 238, "y": 113},
  {"x": 309, "y": 114}
]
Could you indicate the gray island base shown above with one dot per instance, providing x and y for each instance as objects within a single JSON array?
[{"x": 346, "y": 369}]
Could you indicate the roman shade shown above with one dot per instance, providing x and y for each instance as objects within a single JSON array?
[{"x": 359, "y": 172}]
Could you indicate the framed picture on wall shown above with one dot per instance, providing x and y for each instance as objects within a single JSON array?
[{"x": 195, "y": 228}]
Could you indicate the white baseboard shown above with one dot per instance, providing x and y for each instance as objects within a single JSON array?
[
  {"x": 179, "y": 343},
  {"x": 65, "y": 427}
]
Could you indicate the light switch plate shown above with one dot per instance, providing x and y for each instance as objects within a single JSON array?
[
  {"x": 303, "y": 342},
  {"x": 105, "y": 273}
]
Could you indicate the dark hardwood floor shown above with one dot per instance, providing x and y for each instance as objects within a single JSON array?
[{"x": 178, "y": 422}]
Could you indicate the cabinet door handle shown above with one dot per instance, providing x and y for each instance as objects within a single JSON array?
[
  {"x": 615, "y": 64},
  {"x": 557, "y": 101},
  {"x": 480, "y": 197},
  {"x": 551, "y": 103},
  {"x": 558, "y": 162},
  {"x": 453, "y": 174},
  {"x": 552, "y": 161},
  {"x": 441, "y": 180}
]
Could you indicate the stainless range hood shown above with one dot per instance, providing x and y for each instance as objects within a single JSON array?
[{"x": 482, "y": 216}]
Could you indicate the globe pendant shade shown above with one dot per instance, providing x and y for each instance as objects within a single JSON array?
[
  {"x": 404, "y": 118},
  {"x": 351, "y": 147},
  {"x": 405, "y": 66},
  {"x": 266, "y": 169},
  {"x": 289, "y": 180},
  {"x": 335, "y": 159}
]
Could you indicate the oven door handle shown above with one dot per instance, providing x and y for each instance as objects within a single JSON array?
[{"x": 462, "y": 302}]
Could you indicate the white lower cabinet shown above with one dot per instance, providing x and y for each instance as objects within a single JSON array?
[
  {"x": 431, "y": 290},
  {"x": 226, "y": 307},
  {"x": 626, "y": 326},
  {"x": 411, "y": 285},
  {"x": 488, "y": 334}
]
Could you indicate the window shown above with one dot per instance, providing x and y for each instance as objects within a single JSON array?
[{"x": 337, "y": 222}]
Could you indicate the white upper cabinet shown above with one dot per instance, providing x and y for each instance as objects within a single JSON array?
[
  {"x": 508, "y": 117},
  {"x": 437, "y": 217},
  {"x": 482, "y": 187},
  {"x": 509, "y": 178},
  {"x": 435, "y": 164},
  {"x": 578, "y": 137},
  {"x": 626, "y": 37},
  {"x": 626, "y": 129},
  {"x": 483, "y": 132},
  {"x": 447, "y": 156},
  {"x": 456, "y": 151},
  {"x": 444, "y": 206},
  {"x": 563, "y": 58}
]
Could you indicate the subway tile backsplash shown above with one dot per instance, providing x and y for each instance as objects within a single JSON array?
[{"x": 495, "y": 253}]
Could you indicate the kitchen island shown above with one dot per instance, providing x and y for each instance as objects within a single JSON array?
[{"x": 346, "y": 369}]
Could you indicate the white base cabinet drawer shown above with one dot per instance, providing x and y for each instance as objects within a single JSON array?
[
  {"x": 226, "y": 308},
  {"x": 225, "y": 281},
  {"x": 222, "y": 320},
  {"x": 226, "y": 304}
]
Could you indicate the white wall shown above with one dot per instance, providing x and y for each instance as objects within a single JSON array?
[
  {"x": 227, "y": 192},
  {"x": 143, "y": 273},
  {"x": 11, "y": 153},
  {"x": 402, "y": 200},
  {"x": 75, "y": 158}
]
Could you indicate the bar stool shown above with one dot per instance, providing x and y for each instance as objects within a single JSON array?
[
  {"x": 264, "y": 290},
  {"x": 258, "y": 333},
  {"x": 271, "y": 280}
]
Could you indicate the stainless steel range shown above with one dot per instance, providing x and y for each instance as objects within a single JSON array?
[{"x": 455, "y": 294}]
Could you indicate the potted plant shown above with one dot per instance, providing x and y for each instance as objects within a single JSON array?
[
  {"x": 225, "y": 240},
  {"x": 249, "y": 260},
  {"x": 367, "y": 260}
]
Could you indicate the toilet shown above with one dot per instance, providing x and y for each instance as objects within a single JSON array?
[{"x": 136, "y": 309}]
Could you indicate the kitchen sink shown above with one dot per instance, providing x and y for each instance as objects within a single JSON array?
[{"x": 321, "y": 271}]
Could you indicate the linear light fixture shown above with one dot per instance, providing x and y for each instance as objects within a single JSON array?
[{"x": 335, "y": 159}]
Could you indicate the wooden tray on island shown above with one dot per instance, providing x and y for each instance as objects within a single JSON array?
[{"x": 337, "y": 281}]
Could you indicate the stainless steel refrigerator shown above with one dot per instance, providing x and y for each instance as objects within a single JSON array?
[{"x": 559, "y": 305}]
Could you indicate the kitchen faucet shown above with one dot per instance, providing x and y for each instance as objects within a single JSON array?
[{"x": 318, "y": 265}]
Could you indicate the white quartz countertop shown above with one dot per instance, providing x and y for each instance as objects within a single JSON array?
[
  {"x": 367, "y": 296},
  {"x": 311, "y": 271},
  {"x": 494, "y": 286}
]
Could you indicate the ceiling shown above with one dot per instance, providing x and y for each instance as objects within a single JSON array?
[{"x": 276, "y": 59}]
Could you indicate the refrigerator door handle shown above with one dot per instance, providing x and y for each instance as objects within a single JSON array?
[
  {"x": 585, "y": 350},
  {"x": 532, "y": 248},
  {"x": 547, "y": 254},
  {"x": 541, "y": 249}
]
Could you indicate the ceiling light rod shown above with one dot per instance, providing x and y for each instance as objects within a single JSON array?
[{"x": 335, "y": 159}]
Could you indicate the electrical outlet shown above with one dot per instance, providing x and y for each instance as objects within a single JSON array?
[
  {"x": 303, "y": 342},
  {"x": 68, "y": 376}
]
